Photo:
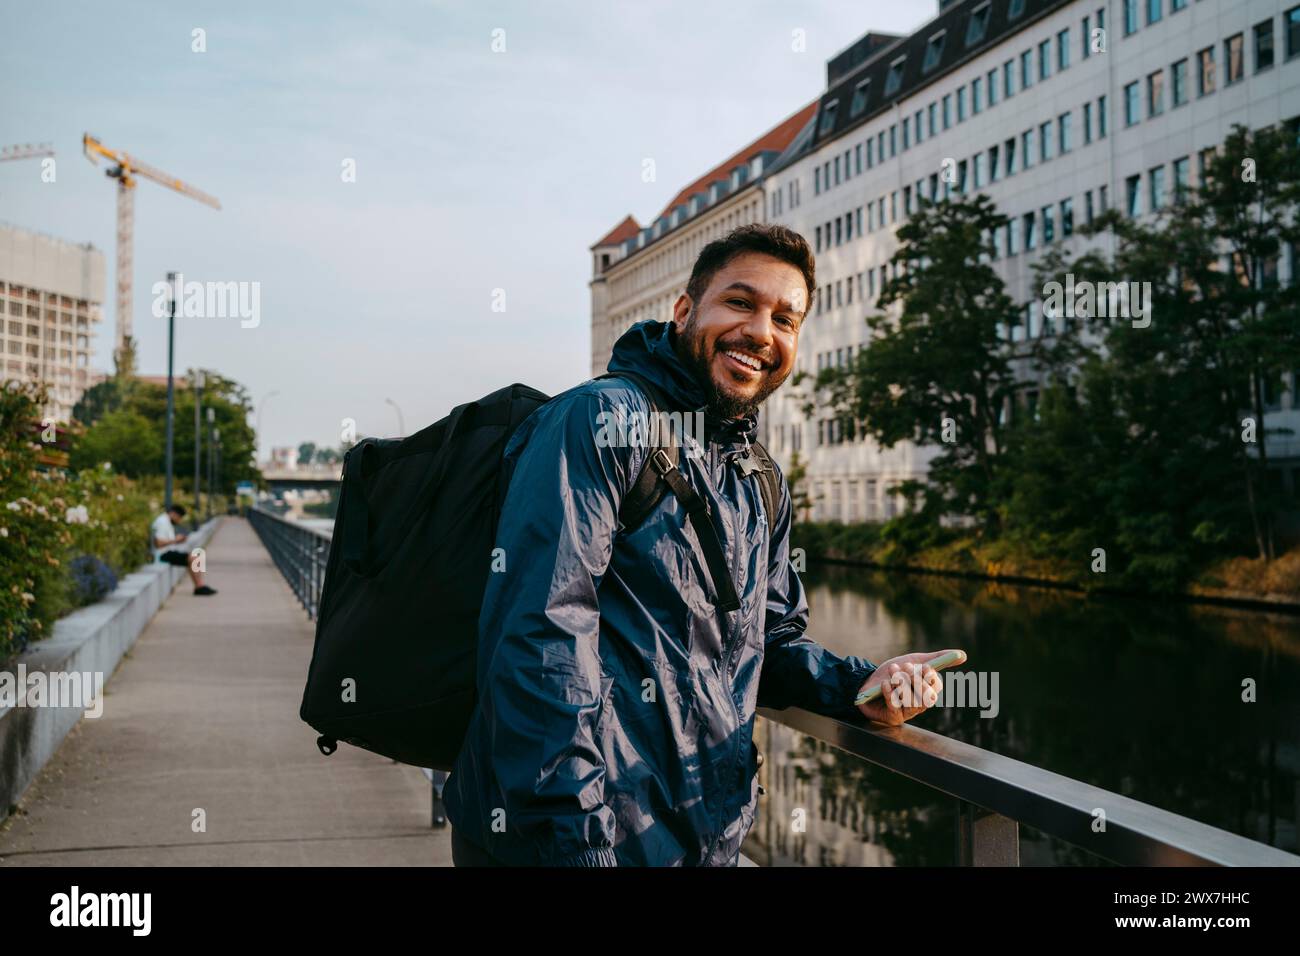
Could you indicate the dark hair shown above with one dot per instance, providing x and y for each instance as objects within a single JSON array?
[
  {"x": 770, "y": 240},
  {"x": 179, "y": 509}
]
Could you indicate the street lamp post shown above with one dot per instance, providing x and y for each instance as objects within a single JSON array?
[
  {"x": 261, "y": 405},
  {"x": 198, "y": 432},
  {"x": 401, "y": 428},
  {"x": 212, "y": 417},
  {"x": 171, "y": 396},
  {"x": 216, "y": 465}
]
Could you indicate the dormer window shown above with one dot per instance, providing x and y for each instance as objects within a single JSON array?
[
  {"x": 933, "y": 51},
  {"x": 860, "y": 93},
  {"x": 1017, "y": 7},
  {"x": 895, "y": 79},
  {"x": 978, "y": 25},
  {"x": 828, "y": 117}
]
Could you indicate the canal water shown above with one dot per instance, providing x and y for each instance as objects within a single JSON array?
[{"x": 1140, "y": 697}]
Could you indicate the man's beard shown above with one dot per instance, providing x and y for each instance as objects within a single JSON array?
[{"x": 718, "y": 404}]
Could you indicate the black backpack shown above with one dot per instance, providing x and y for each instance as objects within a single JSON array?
[{"x": 393, "y": 668}]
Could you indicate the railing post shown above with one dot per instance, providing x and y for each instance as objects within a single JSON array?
[
  {"x": 439, "y": 811},
  {"x": 985, "y": 838}
]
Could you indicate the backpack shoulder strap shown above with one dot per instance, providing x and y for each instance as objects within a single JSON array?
[
  {"x": 660, "y": 470},
  {"x": 769, "y": 485},
  {"x": 647, "y": 491}
]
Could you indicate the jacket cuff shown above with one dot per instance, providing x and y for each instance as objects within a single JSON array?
[
  {"x": 858, "y": 677},
  {"x": 596, "y": 856}
]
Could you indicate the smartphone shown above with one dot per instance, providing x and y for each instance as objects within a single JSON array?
[{"x": 938, "y": 663}]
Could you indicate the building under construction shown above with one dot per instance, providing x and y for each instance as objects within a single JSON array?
[{"x": 51, "y": 295}]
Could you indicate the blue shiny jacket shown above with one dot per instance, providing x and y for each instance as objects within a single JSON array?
[{"x": 616, "y": 704}]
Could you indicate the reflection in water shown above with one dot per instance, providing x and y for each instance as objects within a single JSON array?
[{"x": 1142, "y": 698}]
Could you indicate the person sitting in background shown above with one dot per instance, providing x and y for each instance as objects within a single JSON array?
[{"x": 162, "y": 535}]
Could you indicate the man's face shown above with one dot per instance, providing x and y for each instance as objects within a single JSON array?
[
  {"x": 175, "y": 516},
  {"x": 741, "y": 338}
]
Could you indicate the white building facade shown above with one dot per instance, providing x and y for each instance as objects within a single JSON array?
[
  {"x": 1055, "y": 109},
  {"x": 51, "y": 295}
]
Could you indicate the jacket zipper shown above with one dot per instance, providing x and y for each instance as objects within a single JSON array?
[{"x": 729, "y": 648}]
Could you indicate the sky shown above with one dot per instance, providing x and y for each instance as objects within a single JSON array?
[{"x": 475, "y": 170}]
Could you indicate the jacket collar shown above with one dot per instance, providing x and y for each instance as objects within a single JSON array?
[{"x": 649, "y": 349}]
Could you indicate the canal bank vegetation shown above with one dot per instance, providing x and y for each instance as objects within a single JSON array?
[
  {"x": 908, "y": 545},
  {"x": 1123, "y": 451}
]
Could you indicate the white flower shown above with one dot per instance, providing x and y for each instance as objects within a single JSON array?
[
  {"x": 29, "y": 597},
  {"x": 14, "y": 506},
  {"x": 4, "y": 532},
  {"x": 77, "y": 515},
  {"x": 119, "y": 497}
]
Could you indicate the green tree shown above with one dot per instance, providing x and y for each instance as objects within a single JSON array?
[
  {"x": 939, "y": 373},
  {"x": 231, "y": 407},
  {"x": 123, "y": 438},
  {"x": 1144, "y": 440},
  {"x": 1249, "y": 204},
  {"x": 306, "y": 452}
]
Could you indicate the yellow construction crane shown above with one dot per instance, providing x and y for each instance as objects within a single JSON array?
[{"x": 125, "y": 170}]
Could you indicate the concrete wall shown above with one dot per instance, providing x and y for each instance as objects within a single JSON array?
[{"x": 91, "y": 639}]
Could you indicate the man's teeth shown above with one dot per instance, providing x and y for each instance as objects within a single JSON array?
[{"x": 744, "y": 359}]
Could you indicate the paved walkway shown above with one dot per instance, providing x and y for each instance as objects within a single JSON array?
[{"x": 203, "y": 714}]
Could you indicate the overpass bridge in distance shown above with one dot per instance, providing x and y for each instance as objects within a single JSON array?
[{"x": 317, "y": 477}]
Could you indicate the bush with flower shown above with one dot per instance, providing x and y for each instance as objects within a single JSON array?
[{"x": 65, "y": 538}]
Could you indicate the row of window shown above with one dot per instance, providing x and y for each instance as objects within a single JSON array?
[
  {"x": 938, "y": 115},
  {"x": 16, "y": 330},
  {"x": 966, "y": 101},
  {"x": 1026, "y": 232},
  {"x": 1206, "y": 79},
  {"x": 1154, "y": 11},
  {"x": 1036, "y": 144},
  {"x": 838, "y": 358}
]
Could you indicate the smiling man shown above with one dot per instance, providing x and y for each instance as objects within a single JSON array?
[{"x": 630, "y": 637}]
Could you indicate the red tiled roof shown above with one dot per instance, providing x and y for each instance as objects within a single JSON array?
[
  {"x": 777, "y": 138},
  {"x": 624, "y": 230}
]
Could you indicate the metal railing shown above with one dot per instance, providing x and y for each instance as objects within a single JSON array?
[
  {"x": 996, "y": 794},
  {"x": 300, "y": 553}
]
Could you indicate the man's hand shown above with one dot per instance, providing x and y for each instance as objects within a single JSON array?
[{"x": 910, "y": 686}]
